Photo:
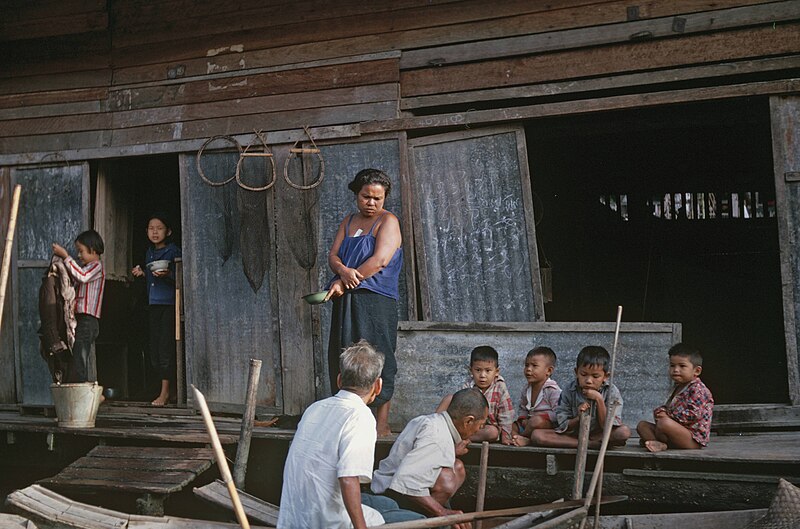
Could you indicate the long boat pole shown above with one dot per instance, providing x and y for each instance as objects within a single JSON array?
[{"x": 12, "y": 223}]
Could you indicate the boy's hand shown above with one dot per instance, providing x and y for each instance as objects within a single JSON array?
[
  {"x": 592, "y": 394},
  {"x": 661, "y": 414},
  {"x": 137, "y": 271},
  {"x": 461, "y": 448},
  {"x": 584, "y": 406},
  {"x": 506, "y": 439},
  {"x": 60, "y": 251}
]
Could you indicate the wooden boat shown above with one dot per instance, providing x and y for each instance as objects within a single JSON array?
[
  {"x": 49, "y": 510},
  {"x": 695, "y": 520}
]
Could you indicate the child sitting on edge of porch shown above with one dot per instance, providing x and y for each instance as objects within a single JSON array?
[
  {"x": 539, "y": 398},
  {"x": 685, "y": 420},
  {"x": 484, "y": 370},
  {"x": 590, "y": 385}
]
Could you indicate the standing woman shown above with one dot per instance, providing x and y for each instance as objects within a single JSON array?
[{"x": 367, "y": 258}]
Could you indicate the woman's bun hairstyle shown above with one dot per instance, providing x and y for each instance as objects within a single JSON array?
[{"x": 370, "y": 176}]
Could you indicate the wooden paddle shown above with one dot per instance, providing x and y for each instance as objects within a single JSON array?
[{"x": 12, "y": 223}]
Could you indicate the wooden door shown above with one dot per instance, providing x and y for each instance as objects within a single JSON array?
[
  {"x": 54, "y": 207},
  {"x": 785, "y": 116},
  {"x": 230, "y": 316},
  {"x": 331, "y": 202},
  {"x": 474, "y": 226}
]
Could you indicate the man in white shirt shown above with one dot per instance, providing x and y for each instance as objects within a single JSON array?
[
  {"x": 421, "y": 471},
  {"x": 333, "y": 451}
]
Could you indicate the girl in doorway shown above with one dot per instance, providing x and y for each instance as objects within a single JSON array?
[{"x": 160, "y": 278}]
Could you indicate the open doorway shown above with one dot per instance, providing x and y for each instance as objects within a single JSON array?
[
  {"x": 669, "y": 212},
  {"x": 125, "y": 193}
]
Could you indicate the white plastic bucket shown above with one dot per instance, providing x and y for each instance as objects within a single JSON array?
[{"x": 76, "y": 404}]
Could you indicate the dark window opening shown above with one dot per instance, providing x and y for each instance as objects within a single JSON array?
[{"x": 719, "y": 277}]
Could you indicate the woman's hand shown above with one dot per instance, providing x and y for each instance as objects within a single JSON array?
[
  {"x": 60, "y": 251},
  {"x": 336, "y": 290},
  {"x": 137, "y": 271},
  {"x": 161, "y": 273},
  {"x": 350, "y": 277}
]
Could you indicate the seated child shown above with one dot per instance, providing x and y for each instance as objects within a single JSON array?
[
  {"x": 685, "y": 420},
  {"x": 485, "y": 375},
  {"x": 590, "y": 385},
  {"x": 539, "y": 398}
]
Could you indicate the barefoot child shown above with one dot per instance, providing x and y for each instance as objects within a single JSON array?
[
  {"x": 485, "y": 375},
  {"x": 161, "y": 298},
  {"x": 539, "y": 398},
  {"x": 90, "y": 279},
  {"x": 685, "y": 420},
  {"x": 590, "y": 386}
]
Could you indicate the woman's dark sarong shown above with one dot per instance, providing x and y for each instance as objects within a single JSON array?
[{"x": 363, "y": 314}]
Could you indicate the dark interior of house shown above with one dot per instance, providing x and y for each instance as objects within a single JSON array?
[
  {"x": 148, "y": 184},
  {"x": 669, "y": 212}
]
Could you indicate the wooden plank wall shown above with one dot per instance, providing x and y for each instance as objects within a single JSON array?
[{"x": 84, "y": 74}]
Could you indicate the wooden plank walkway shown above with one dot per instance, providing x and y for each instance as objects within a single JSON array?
[{"x": 151, "y": 473}]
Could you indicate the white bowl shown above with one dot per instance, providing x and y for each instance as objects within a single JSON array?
[{"x": 156, "y": 266}]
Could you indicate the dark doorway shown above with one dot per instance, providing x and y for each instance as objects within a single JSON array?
[
  {"x": 126, "y": 192},
  {"x": 624, "y": 206}
]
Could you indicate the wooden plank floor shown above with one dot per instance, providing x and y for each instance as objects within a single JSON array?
[{"x": 174, "y": 425}]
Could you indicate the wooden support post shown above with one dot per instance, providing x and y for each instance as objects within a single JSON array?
[
  {"x": 482, "y": 473},
  {"x": 51, "y": 441},
  {"x": 180, "y": 385},
  {"x": 246, "y": 433},
  {"x": 581, "y": 454}
]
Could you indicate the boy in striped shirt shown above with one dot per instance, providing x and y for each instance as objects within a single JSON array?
[{"x": 90, "y": 279}]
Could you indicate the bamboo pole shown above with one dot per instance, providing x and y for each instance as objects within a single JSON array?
[
  {"x": 243, "y": 447},
  {"x": 482, "y": 472},
  {"x": 452, "y": 519},
  {"x": 598, "y": 467},
  {"x": 610, "y": 381},
  {"x": 222, "y": 463},
  {"x": 12, "y": 223}
]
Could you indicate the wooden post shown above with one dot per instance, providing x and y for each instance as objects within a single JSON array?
[
  {"x": 581, "y": 454},
  {"x": 243, "y": 448},
  {"x": 222, "y": 463},
  {"x": 179, "y": 359},
  {"x": 482, "y": 472},
  {"x": 12, "y": 223}
]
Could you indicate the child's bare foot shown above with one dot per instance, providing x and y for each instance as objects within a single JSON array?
[
  {"x": 520, "y": 440},
  {"x": 161, "y": 400},
  {"x": 655, "y": 446}
]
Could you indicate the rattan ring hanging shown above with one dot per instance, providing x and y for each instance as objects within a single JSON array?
[
  {"x": 294, "y": 151},
  {"x": 230, "y": 139},
  {"x": 265, "y": 154}
]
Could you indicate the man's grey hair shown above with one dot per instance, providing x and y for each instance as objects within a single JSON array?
[
  {"x": 360, "y": 366},
  {"x": 467, "y": 401}
]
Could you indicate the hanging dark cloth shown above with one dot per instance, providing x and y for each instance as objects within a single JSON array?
[{"x": 56, "y": 312}]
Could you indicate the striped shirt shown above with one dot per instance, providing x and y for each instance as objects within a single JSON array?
[{"x": 91, "y": 280}]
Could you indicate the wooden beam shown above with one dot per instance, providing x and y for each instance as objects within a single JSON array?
[
  {"x": 585, "y": 106},
  {"x": 55, "y": 26},
  {"x": 94, "y": 152},
  {"x": 605, "y": 60},
  {"x": 246, "y": 85},
  {"x": 53, "y": 97},
  {"x": 598, "y": 35},
  {"x": 605, "y": 83},
  {"x": 61, "y": 81}
]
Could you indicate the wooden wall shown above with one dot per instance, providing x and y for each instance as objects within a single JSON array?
[
  {"x": 163, "y": 75},
  {"x": 91, "y": 79}
]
